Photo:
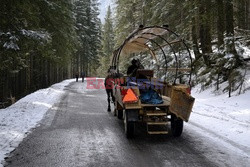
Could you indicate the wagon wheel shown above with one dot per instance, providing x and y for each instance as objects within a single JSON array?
[
  {"x": 129, "y": 126},
  {"x": 176, "y": 125}
]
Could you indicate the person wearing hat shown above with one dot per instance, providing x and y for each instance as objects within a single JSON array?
[
  {"x": 135, "y": 65},
  {"x": 132, "y": 68}
]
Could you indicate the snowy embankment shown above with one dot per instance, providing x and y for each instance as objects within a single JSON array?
[
  {"x": 223, "y": 122},
  {"x": 17, "y": 120}
]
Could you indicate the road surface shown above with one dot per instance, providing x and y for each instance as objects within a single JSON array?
[{"x": 79, "y": 132}]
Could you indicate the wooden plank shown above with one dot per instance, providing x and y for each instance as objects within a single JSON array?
[
  {"x": 166, "y": 98},
  {"x": 181, "y": 103},
  {"x": 156, "y": 114},
  {"x": 157, "y": 132},
  {"x": 164, "y": 104},
  {"x": 132, "y": 107},
  {"x": 174, "y": 69},
  {"x": 157, "y": 123}
]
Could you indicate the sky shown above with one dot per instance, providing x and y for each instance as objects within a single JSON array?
[{"x": 103, "y": 8}]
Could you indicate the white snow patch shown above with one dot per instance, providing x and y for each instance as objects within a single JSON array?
[
  {"x": 17, "y": 120},
  {"x": 36, "y": 34},
  {"x": 11, "y": 45},
  {"x": 223, "y": 121}
]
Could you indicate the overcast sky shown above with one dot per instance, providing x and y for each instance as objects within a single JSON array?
[{"x": 103, "y": 8}]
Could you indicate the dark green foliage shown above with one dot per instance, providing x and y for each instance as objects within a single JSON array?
[
  {"x": 38, "y": 41},
  {"x": 88, "y": 35},
  {"x": 107, "y": 44}
]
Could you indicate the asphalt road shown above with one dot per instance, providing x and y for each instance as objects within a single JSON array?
[{"x": 79, "y": 132}]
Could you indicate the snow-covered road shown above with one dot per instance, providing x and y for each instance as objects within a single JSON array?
[{"x": 219, "y": 126}]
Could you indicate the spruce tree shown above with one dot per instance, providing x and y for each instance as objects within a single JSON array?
[{"x": 107, "y": 43}]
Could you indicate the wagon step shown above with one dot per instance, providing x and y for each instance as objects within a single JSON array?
[
  {"x": 156, "y": 127},
  {"x": 157, "y": 132},
  {"x": 157, "y": 123}
]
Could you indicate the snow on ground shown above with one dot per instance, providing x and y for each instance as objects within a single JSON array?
[
  {"x": 221, "y": 125},
  {"x": 223, "y": 121},
  {"x": 17, "y": 120}
]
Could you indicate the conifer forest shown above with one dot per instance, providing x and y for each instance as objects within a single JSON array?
[{"x": 43, "y": 42}]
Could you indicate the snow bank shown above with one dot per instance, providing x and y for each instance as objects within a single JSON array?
[
  {"x": 225, "y": 121},
  {"x": 17, "y": 120}
]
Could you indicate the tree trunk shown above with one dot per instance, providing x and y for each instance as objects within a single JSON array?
[
  {"x": 205, "y": 29},
  {"x": 229, "y": 18},
  {"x": 247, "y": 10},
  {"x": 195, "y": 39},
  {"x": 220, "y": 23},
  {"x": 242, "y": 13},
  {"x": 230, "y": 46}
]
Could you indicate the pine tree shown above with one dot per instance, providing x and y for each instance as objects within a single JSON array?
[
  {"x": 88, "y": 32},
  {"x": 107, "y": 43},
  {"x": 34, "y": 48},
  {"x": 125, "y": 21}
]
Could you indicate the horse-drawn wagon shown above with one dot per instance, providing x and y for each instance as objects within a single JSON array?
[{"x": 157, "y": 95}]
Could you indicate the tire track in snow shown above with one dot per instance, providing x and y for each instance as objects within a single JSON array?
[
  {"x": 244, "y": 149},
  {"x": 223, "y": 119}
]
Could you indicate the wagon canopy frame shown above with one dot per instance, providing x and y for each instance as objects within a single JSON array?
[{"x": 151, "y": 39}]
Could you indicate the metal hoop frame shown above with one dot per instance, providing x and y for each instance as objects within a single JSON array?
[{"x": 117, "y": 52}]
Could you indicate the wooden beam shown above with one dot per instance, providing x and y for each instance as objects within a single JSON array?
[{"x": 174, "y": 69}]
